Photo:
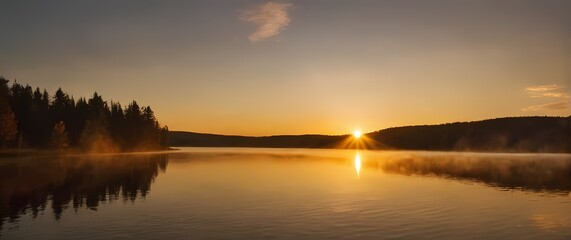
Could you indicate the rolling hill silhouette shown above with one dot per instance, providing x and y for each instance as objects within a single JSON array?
[{"x": 511, "y": 134}]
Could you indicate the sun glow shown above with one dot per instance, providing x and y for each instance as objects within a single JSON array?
[{"x": 357, "y": 134}]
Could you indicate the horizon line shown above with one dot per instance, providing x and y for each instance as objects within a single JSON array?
[{"x": 365, "y": 133}]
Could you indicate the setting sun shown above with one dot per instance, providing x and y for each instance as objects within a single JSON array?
[{"x": 357, "y": 134}]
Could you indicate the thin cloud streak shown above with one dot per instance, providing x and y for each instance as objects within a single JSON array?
[
  {"x": 543, "y": 88},
  {"x": 548, "y": 95},
  {"x": 556, "y": 95},
  {"x": 270, "y": 18},
  {"x": 553, "y": 106}
]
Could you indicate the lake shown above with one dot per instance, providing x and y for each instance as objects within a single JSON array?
[{"x": 225, "y": 193}]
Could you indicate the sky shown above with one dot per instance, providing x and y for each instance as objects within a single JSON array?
[{"x": 298, "y": 67}]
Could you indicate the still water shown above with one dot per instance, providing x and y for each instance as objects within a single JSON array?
[{"x": 218, "y": 193}]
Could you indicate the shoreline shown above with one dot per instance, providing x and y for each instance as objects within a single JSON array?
[{"x": 33, "y": 152}]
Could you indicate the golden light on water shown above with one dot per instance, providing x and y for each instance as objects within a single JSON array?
[
  {"x": 357, "y": 134},
  {"x": 358, "y": 165}
]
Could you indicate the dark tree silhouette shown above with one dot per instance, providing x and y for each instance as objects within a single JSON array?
[
  {"x": 117, "y": 124},
  {"x": 59, "y": 136},
  {"x": 8, "y": 127},
  {"x": 22, "y": 102},
  {"x": 40, "y": 126}
]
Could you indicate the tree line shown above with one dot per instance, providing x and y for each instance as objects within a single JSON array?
[{"x": 35, "y": 119}]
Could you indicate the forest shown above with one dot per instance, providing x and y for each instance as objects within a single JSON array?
[{"x": 34, "y": 119}]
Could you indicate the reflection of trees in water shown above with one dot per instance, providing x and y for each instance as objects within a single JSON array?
[
  {"x": 28, "y": 185},
  {"x": 528, "y": 173}
]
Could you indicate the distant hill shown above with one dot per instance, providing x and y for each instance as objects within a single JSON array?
[
  {"x": 178, "y": 138},
  {"x": 512, "y": 134}
]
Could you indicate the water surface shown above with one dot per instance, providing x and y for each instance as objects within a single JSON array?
[{"x": 221, "y": 193}]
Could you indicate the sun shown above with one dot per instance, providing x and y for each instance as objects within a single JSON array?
[{"x": 357, "y": 134}]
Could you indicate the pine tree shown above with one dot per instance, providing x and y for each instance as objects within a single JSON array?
[
  {"x": 8, "y": 123},
  {"x": 60, "y": 139}
]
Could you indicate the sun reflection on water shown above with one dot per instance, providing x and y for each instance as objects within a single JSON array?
[{"x": 358, "y": 165}]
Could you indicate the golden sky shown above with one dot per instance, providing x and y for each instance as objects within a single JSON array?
[{"x": 295, "y": 67}]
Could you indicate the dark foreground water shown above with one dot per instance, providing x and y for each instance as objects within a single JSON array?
[{"x": 286, "y": 194}]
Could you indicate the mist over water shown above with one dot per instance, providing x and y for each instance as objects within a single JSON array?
[
  {"x": 526, "y": 172},
  {"x": 225, "y": 193}
]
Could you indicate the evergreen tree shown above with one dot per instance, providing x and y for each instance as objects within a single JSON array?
[
  {"x": 133, "y": 124},
  {"x": 164, "y": 137},
  {"x": 22, "y": 106},
  {"x": 117, "y": 124},
  {"x": 8, "y": 126},
  {"x": 79, "y": 119},
  {"x": 60, "y": 139},
  {"x": 95, "y": 136},
  {"x": 40, "y": 126}
]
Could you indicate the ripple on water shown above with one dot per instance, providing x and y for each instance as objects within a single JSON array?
[{"x": 241, "y": 196}]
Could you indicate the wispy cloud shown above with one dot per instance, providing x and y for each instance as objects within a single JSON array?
[
  {"x": 550, "y": 91},
  {"x": 553, "y": 106},
  {"x": 543, "y": 88},
  {"x": 270, "y": 18},
  {"x": 556, "y": 95}
]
